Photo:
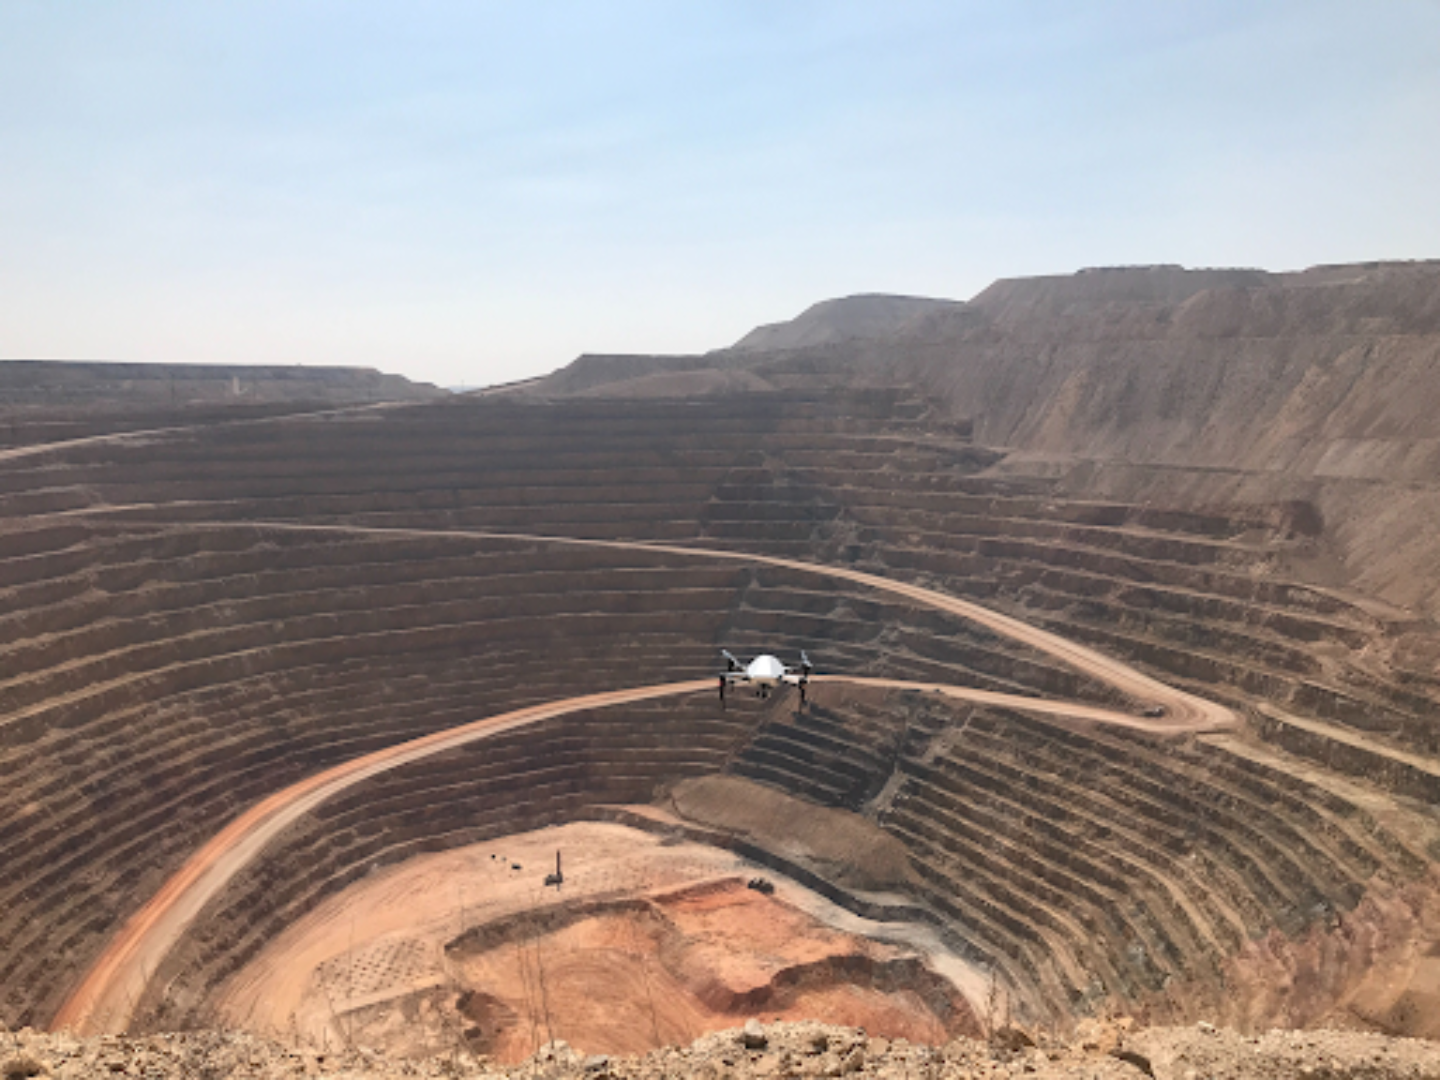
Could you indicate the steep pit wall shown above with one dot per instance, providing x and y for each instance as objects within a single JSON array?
[
  {"x": 1095, "y": 869},
  {"x": 201, "y": 665},
  {"x": 162, "y": 679}
]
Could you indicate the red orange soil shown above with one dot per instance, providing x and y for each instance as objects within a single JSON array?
[
  {"x": 648, "y": 943},
  {"x": 105, "y": 998}
]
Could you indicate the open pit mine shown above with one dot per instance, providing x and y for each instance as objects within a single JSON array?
[{"x": 339, "y": 711}]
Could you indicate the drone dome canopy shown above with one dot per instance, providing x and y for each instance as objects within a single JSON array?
[{"x": 765, "y": 667}]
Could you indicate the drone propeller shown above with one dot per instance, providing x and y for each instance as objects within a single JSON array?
[
  {"x": 734, "y": 665},
  {"x": 805, "y": 664}
]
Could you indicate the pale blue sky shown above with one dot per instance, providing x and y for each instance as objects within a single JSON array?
[{"x": 475, "y": 192}]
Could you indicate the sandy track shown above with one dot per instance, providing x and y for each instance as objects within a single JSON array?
[
  {"x": 144, "y": 435},
  {"x": 1069, "y": 710},
  {"x": 104, "y": 1000},
  {"x": 1183, "y": 711}
]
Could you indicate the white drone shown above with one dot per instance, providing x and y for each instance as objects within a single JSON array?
[{"x": 765, "y": 673}]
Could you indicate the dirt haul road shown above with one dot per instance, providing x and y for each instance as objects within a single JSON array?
[
  {"x": 105, "y": 998},
  {"x": 1182, "y": 711},
  {"x": 142, "y": 436}
]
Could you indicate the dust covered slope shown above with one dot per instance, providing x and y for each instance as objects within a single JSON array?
[
  {"x": 1193, "y": 388},
  {"x": 867, "y": 317},
  {"x": 1223, "y": 369}
]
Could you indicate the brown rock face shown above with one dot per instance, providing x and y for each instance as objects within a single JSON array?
[{"x": 1314, "y": 389}]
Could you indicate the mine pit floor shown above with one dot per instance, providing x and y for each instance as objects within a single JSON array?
[{"x": 648, "y": 942}]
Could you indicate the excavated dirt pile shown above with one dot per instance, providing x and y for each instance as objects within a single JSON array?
[{"x": 765, "y": 1052}]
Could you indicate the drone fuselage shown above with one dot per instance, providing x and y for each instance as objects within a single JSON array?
[{"x": 764, "y": 673}]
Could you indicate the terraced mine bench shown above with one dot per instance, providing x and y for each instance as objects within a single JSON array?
[{"x": 171, "y": 659}]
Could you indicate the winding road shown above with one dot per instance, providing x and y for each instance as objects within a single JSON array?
[
  {"x": 105, "y": 998},
  {"x": 140, "y": 436}
]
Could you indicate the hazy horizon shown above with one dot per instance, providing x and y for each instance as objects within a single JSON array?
[{"x": 474, "y": 193}]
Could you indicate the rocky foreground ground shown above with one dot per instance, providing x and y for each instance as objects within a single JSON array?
[{"x": 768, "y": 1052}]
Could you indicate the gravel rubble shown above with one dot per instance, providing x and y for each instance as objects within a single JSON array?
[{"x": 779, "y": 1051}]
